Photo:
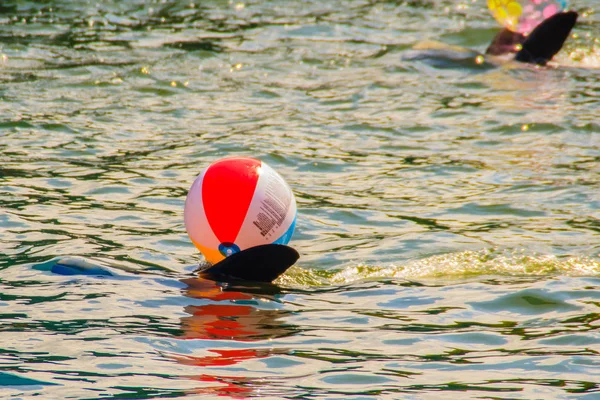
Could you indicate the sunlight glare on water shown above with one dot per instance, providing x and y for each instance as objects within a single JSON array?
[{"x": 448, "y": 217}]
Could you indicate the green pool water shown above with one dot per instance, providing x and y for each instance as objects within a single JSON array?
[{"x": 448, "y": 212}]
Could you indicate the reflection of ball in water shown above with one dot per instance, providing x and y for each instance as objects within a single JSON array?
[
  {"x": 237, "y": 203},
  {"x": 524, "y": 15}
]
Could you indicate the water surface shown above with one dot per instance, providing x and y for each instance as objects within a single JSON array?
[{"x": 448, "y": 212}]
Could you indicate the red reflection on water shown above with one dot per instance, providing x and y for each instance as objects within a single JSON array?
[
  {"x": 224, "y": 357},
  {"x": 230, "y": 386},
  {"x": 217, "y": 321},
  {"x": 226, "y": 320}
]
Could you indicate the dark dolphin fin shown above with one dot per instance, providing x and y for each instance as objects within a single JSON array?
[
  {"x": 260, "y": 264},
  {"x": 547, "y": 38},
  {"x": 505, "y": 42}
]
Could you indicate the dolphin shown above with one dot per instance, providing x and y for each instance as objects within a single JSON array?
[
  {"x": 538, "y": 48},
  {"x": 262, "y": 264}
]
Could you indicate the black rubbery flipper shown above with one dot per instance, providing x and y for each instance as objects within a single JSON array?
[
  {"x": 260, "y": 264},
  {"x": 547, "y": 38},
  {"x": 505, "y": 42}
]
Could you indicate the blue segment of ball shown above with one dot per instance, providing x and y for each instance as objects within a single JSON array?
[
  {"x": 287, "y": 236},
  {"x": 228, "y": 249}
]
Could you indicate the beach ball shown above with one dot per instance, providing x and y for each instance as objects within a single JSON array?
[
  {"x": 237, "y": 203},
  {"x": 523, "y": 16}
]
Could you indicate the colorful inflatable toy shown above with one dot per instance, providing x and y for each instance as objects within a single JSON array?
[
  {"x": 522, "y": 16},
  {"x": 238, "y": 203}
]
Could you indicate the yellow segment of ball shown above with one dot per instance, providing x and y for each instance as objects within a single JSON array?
[
  {"x": 514, "y": 9},
  {"x": 213, "y": 256}
]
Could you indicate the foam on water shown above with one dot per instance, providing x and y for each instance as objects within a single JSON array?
[{"x": 452, "y": 266}]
